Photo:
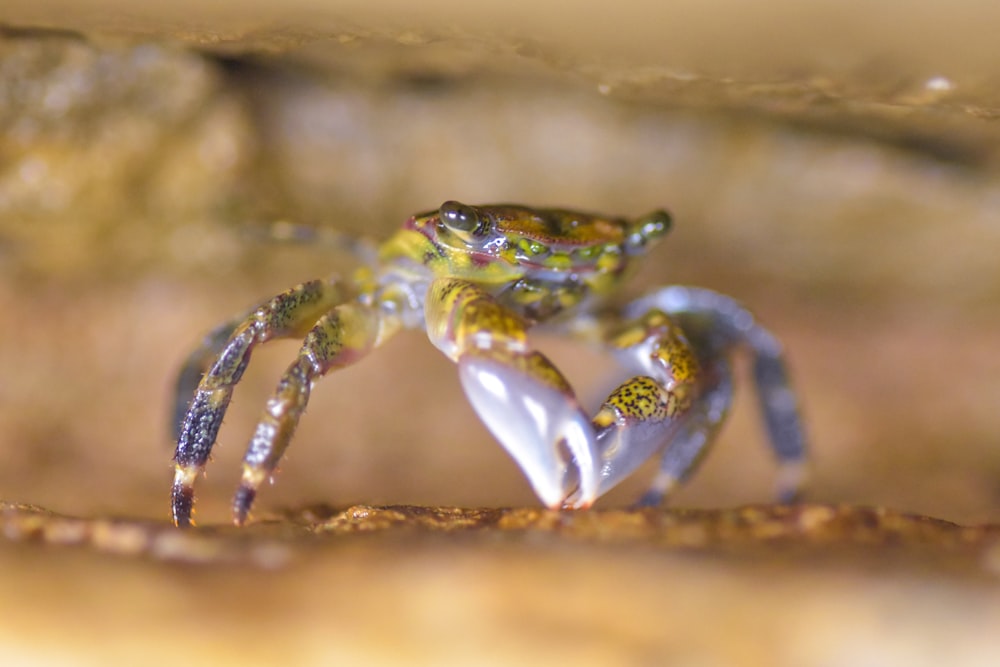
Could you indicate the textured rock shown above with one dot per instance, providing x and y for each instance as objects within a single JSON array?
[{"x": 381, "y": 585}]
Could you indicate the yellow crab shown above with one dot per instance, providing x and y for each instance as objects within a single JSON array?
[{"x": 477, "y": 278}]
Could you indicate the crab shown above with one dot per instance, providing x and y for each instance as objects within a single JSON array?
[{"x": 477, "y": 279}]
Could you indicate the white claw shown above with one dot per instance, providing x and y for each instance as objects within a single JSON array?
[{"x": 530, "y": 419}]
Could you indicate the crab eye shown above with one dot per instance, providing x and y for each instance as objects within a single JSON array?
[
  {"x": 648, "y": 228},
  {"x": 460, "y": 218},
  {"x": 656, "y": 224}
]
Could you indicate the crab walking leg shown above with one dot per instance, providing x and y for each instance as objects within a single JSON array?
[
  {"x": 518, "y": 393},
  {"x": 338, "y": 339},
  {"x": 647, "y": 411},
  {"x": 686, "y": 450},
  {"x": 195, "y": 366},
  {"x": 288, "y": 314},
  {"x": 716, "y": 325}
]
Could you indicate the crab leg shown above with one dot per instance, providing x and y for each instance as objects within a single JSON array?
[
  {"x": 716, "y": 324},
  {"x": 289, "y": 314},
  {"x": 338, "y": 339},
  {"x": 518, "y": 393},
  {"x": 687, "y": 448},
  {"x": 195, "y": 366},
  {"x": 652, "y": 408}
]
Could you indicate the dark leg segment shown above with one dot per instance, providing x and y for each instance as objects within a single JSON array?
[
  {"x": 687, "y": 449},
  {"x": 194, "y": 368},
  {"x": 716, "y": 324},
  {"x": 784, "y": 425},
  {"x": 338, "y": 339},
  {"x": 286, "y": 315}
]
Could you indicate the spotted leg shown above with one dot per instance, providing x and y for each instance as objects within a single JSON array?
[
  {"x": 195, "y": 367},
  {"x": 716, "y": 325},
  {"x": 518, "y": 393},
  {"x": 692, "y": 440},
  {"x": 657, "y": 406},
  {"x": 225, "y": 353},
  {"x": 338, "y": 339}
]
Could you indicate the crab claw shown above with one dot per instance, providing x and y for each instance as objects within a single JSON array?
[{"x": 530, "y": 409}]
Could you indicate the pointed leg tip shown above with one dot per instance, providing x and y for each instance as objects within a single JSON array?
[
  {"x": 182, "y": 505},
  {"x": 650, "y": 499},
  {"x": 791, "y": 482},
  {"x": 182, "y": 495},
  {"x": 789, "y": 496},
  {"x": 242, "y": 501}
]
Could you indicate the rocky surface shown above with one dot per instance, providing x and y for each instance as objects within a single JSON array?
[{"x": 383, "y": 585}]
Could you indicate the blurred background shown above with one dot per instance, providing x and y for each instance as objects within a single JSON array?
[{"x": 834, "y": 168}]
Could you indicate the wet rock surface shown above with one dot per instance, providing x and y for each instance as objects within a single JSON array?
[
  {"x": 807, "y": 584},
  {"x": 792, "y": 528}
]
